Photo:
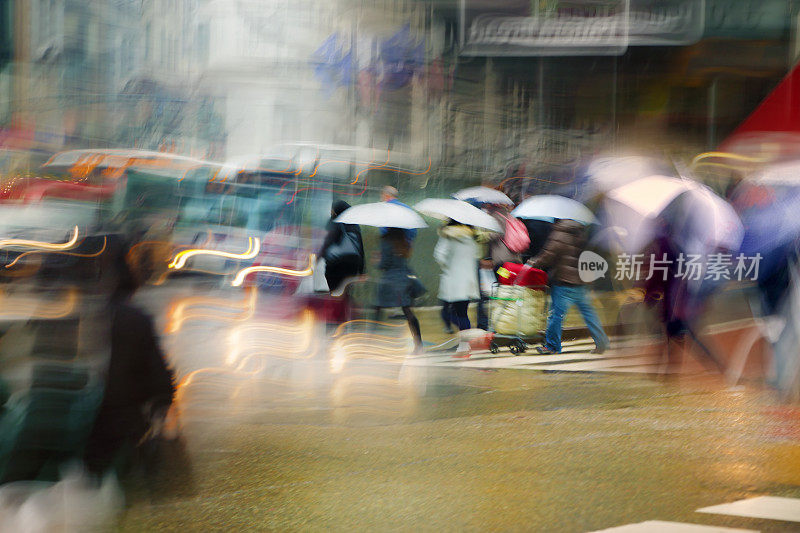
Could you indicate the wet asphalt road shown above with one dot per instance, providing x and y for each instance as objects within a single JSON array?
[{"x": 284, "y": 429}]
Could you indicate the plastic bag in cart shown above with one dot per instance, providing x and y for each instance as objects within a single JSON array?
[{"x": 519, "y": 310}]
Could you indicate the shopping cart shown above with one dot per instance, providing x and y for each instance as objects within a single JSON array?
[{"x": 518, "y": 312}]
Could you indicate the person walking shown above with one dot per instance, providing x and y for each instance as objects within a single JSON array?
[
  {"x": 498, "y": 243},
  {"x": 501, "y": 248},
  {"x": 447, "y": 317},
  {"x": 343, "y": 249},
  {"x": 398, "y": 286},
  {"x": 457, "y": 253},
  {"x": 139, "y": 386},
  {"x": 679, "y": 308},
  {"x": 559, "y": 256},
  {"x": 389, "y": 194}
]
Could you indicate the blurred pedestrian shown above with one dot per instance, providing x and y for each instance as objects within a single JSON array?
[
  {"x": 559, "y": 257},
  {"x": 447, "y": 317},
  {"x": 507, "y": 246},
  {"x": 457, "y": 253},
  {"x": 343, "y": 249},
  {"x": 398, "y": 286},
  {"x": 779, "y": 289},
  {"x": 139, "y": 385},
  {"x": 503, "y": 247},
  {"x": 679, "y": 307},
  {"x": 389, "y": 194},
  {"x": 538, "y": 232}
]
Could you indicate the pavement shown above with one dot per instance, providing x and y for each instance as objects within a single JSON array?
[{"x": 287, "y": 426}]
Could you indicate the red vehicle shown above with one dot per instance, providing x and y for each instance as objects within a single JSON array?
[{"x": 88, "y": 175}]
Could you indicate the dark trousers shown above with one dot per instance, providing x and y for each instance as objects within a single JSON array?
[
  {"x": 413, "y": 325},
  {"x": 458, "y": 314},
  {"x": 483, "y": 314},
  {"x": 446, "y": 314}
]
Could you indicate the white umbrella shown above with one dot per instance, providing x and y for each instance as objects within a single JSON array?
[
  {"x": 705, "y": 222},
  {"x": 459, "y": 211},
  {"x": 382, "y": 215},
  {"x": 649, "y": 196},
  {"x": 630, "y": 211},
  {"x": 484, "y": 195},
  {"x": 607, "y": 173},
  {"x": 550, "y": 207}
]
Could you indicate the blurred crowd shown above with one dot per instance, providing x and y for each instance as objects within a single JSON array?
[{"x": 84, "y": 380}]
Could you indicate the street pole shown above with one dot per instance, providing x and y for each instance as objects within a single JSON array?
[
  {"x": 614, "y": 104},
  {"x": 462, "y": 24},
  {"x": 712, "y": 115},
  {"x": 540, "y": 94}
]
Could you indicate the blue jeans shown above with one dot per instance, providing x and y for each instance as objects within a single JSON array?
[{"x": 563, "y": 297}]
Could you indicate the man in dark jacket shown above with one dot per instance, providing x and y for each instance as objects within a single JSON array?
[
  {"x": 559, "y": 257},
  {"x": 140, "y": 386},
  {"x": 343, "y": 259}
]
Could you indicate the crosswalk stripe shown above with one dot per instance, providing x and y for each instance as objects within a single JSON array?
[
  {"x": 575, "y": 357},
  {"x": 658, "y": 526},
  {"x": 769, "y": 507},
  {"x": 616, "y": 363}
]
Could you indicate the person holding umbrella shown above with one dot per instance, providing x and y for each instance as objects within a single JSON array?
[
  {"x": 389, "y": 195},
  {"x": 456, "y": 253},
  {"x": 768, "y": 203},
  {"x": 397, "y": 286},
  {"x": 560, "y": 257},
  {"x": 679, "y": 306},
  {"x": 343, "y": 249},
  {"x": 501, "y": 247}
]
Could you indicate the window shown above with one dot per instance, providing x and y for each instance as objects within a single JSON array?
[
  {"x": 148, "y": 36},
  {"x": 203, "y": 43}
]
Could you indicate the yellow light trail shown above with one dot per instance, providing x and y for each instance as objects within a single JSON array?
[
  {"x": 366, "y": 346},
  {"x": 95, "y": 254},
  {"x": 243, "y": 273},
  {"x": 727, "y": 155},
  {"x": 364, "y": 321},
  {"x": 178, "y": 262},
  {"x": 22, "y": 305},
  {"x": 238, "y": 371},
  {"x": 298, "y": 336},
  {"x": 19, "y": 243},
  {"x": 178, "y": 312}
]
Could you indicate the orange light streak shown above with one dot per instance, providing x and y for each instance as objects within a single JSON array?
[
  {"x": 237, "y": 281},
  {"x": 95, "y": 254}
]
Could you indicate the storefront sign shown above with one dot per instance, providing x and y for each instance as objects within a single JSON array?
[
  {"x": 585, "y": 28},
  {"x": 580, "y": 29}
]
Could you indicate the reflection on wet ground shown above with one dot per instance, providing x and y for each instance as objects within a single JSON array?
[{"x": 289, "y": 426}]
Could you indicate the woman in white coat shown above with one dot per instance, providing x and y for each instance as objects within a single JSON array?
[{"x": 457, "y": 253}]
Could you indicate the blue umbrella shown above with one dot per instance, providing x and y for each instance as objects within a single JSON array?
[{"x": 771, "y": 217}]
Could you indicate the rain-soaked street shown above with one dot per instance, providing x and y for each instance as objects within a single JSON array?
[
  {"x": 280, "y": 435},
  {"x": 400, "y": 265}
]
